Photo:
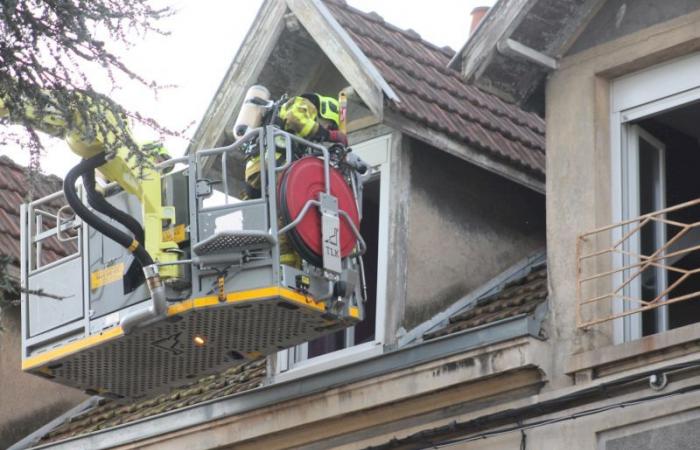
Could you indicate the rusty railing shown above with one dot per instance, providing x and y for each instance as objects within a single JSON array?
[{"x": 612, "y": 265}]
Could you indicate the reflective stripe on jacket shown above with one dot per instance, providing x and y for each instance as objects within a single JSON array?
[{"x": 299, "y": 117}]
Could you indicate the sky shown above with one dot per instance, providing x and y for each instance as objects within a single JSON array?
[{"x": 204, "y": 37}]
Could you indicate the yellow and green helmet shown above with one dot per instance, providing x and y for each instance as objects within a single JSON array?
[
  {"x": 328, "y": 107},
  {"x": 299, "y": 116}
]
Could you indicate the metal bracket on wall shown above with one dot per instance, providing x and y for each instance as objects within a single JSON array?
[{"x": 515, "y": 48}]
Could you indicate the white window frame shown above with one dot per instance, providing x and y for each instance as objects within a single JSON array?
[
  {"x": 633, "y": 97},
  {"x": 292, "y": 363},
  {"x": 632, "y": 134}
]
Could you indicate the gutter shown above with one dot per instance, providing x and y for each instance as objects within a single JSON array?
[
  {"x": 392, "y": 361},
  {"x": 513, "y": 48}
]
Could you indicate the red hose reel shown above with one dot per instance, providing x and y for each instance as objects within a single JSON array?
[{"x": 302, "y": 181}]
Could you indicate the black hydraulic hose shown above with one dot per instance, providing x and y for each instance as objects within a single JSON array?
[
  {"x": 82, "y": 211},
  {"x": 99, "y": 203},
  {"x": 133, "y": 277}
]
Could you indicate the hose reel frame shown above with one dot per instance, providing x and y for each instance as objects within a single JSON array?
[{"x": 301, "y": 182}]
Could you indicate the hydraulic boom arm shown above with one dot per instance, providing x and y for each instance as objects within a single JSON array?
[{"x": 144, "y": 183}]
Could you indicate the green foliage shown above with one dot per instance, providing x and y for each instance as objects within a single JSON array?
[
  {"x": 44, "y": 49},
  {"x": 9, "y": 291}
]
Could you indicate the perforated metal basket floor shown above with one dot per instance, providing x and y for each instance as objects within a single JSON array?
[
  {"x": 192, "y": 342},
  {"x": 230, "y": 241}
]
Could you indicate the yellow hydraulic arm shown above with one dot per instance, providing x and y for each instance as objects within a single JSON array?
[{"x": 144, "y": 183}]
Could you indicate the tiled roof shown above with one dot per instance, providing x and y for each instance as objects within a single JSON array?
[
  {"x": 15, "y": 190},
  {"x": 517, "y": 297},
  {"x": 109, "y": 413},
  {"x": 434, "y": 95}
]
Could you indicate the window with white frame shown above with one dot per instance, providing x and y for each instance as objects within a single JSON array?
[
  {"x": 364, "y": 339},
  {"x": 656, "y": 157}
]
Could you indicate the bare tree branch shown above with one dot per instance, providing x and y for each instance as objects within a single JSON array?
[
  {"x": 45, "y": 46},
  {"x": 41, "y": 293}
]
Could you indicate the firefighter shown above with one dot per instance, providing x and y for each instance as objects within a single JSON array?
[
  {"x": 310, "y": 116},
  {"x": 313, "y": 117}
]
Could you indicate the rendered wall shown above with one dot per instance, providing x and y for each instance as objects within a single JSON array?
[
  {"x": 465, "y": 226},
  {"x": 618, "y": 18},
  {"x": 579, "y": 163},
  {"x": 663, "y": 424},
  {"x": 27, "y": 402}
]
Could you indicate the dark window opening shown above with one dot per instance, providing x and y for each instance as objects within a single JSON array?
[
  {"x": 364, "y": 331},
  {"x": 678, "y": 131}
]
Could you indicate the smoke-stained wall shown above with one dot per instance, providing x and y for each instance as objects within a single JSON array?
[{"x": 465, "y": 226}]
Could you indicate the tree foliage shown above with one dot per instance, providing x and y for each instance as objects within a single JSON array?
[{"x": 45, "y": 46}]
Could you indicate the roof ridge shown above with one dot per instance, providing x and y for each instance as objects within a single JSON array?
[{"x": 409, "y": 33}]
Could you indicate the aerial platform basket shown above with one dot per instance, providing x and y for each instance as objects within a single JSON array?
[
  {"x": 199, "y": 336},
  {"x": 232, "y": 301}
]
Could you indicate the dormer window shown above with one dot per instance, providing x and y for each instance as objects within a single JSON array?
[{"x": 366, "y": 338}]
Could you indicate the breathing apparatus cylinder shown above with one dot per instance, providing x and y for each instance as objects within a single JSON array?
[{"x": 252, "y": 110}]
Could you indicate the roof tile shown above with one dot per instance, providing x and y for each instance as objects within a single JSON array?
[
  {"x": 519, "y": 296},
  {"x": 15, "y": 188},
  {"x": 432, "y": 94},
  {"x": 110, "y": 413}
]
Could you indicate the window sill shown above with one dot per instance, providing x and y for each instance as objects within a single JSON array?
[
  {"x": 647, "y": 350},
  {"x": 330, "y": 361}
]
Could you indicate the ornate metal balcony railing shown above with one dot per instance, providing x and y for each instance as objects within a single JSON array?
[{"x": 638, "y": 265}]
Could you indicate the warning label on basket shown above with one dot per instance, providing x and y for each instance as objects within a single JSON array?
[
  {"x": 105, "y": 276},
  {"x": 175, "y": 234},
  {"x": 170, "y": 344},
  {"x": 331, "y": 242}
]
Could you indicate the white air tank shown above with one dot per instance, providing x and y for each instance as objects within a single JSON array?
[{"x": 252, "y": 110}]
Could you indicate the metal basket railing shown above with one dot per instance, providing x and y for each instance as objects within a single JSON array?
[{"x": 54, "y": 232}]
